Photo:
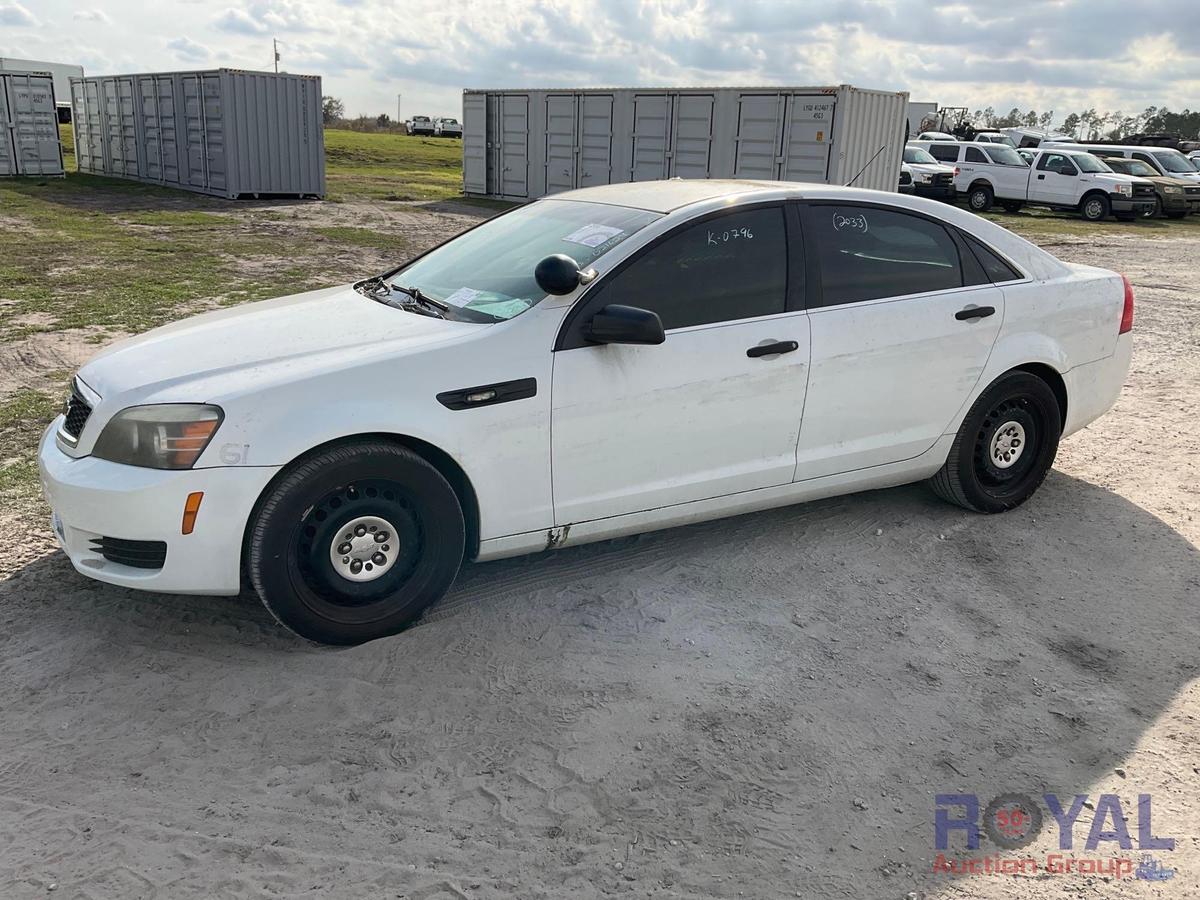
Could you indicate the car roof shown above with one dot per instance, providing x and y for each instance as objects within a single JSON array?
[{"x": 665, "y": 196}]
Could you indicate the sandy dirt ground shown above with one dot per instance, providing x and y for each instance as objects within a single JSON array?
[{"x": 760, "y": 707}]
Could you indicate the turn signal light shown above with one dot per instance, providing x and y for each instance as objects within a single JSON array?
[
  {"x": 1127, "y": 311},
  {"x": 191, "y": 508}
]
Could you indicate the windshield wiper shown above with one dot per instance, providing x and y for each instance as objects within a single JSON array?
[{"x": 423, "y": 299}]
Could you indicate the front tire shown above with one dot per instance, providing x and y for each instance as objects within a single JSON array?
[
  {"x": 1012, "y": 206},
  {"x": 355, "y": 542},
  {"x": 1157, "y": 212},
  {"x": 1095, "y": 207},
  {"x": 1005, "y": 446}
]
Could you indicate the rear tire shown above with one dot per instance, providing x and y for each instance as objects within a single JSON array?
[
  {"x": 1004, "y": 448},
  {"x": 980, "y": 198},
  {"x": 1095, "y": 207},
  {"x": 1012, "y": 206},
  {"x": 355, "y": 542}
]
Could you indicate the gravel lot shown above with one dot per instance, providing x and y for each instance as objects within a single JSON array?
[{"x": 759, "y": 707}]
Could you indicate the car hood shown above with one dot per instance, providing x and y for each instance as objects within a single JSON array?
[
  {"x": 328, "y": 328},
  {"x": 930, "y": 168}
]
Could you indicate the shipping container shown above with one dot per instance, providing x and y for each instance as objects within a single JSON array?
[
  {"x": 224, "y": 132},
  {"x": 29, "y": 143},
  {"x": 522, "y": 144},
  {"x": 62, "y": 73}
]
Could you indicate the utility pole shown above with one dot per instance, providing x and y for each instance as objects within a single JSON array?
[
  {"x": 275, "y": 48},
  {"x": 399, "y": 116}
]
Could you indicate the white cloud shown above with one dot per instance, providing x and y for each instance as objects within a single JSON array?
[
  {"x": 1065, "y": 55},
  {"x": 93, "y": 15},
  {"x": 16, "y": 15},
  {"x": 187, "y": 49}
]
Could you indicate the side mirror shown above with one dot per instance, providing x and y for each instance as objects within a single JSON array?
[
  {"x": 617, "y": 324},
  {"x": 557, "y": 274}
]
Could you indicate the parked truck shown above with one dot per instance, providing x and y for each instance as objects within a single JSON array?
[{"x": 1059, "y": 179}]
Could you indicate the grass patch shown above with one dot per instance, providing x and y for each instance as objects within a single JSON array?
[
  {"x": 23, "y": 417},
  {"x": 363, "y": 237},
  {"x": 392, "y": 166}
]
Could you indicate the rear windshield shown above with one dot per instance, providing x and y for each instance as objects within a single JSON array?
[{"x": 1004, "y": 156}]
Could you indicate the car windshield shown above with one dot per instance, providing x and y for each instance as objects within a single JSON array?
[
  {"x": 1173, "y": 161},
  {"x": 1004, "y": 156},
  {"x": 917, "y": 155},
  {"x": 1089, "y": 163},
  {"x": 486, "y": 274}
]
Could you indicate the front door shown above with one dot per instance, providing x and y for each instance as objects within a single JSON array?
[
  {"x": 1055, "y": 180},
  {"x": 708, "y": 412},
  {"x": 898, "y": 342}
]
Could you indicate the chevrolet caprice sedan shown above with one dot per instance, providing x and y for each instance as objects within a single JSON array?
[{"x": 599, "y": 363}]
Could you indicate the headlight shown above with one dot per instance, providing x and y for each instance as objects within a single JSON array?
[
  {"x": 159, "y": 436},
  {"x": 927, "y": 178},
  {"x": 1124, "y": 189},
  {"x": 1171, "y": 189}
]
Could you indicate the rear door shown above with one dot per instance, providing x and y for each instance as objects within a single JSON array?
[
  {"x": 708, "y": 412},
  {"x": 901, "y": 332}
]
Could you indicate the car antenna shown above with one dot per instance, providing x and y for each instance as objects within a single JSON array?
[{"x": 864, "y": 168}]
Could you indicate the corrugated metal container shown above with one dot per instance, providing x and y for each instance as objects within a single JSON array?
[
  {"x": 29, "y": 143},
  {"x": 522, "y": 144},
  {"x": 224, "y": 132},
  {"x": 61, "y": 72}
]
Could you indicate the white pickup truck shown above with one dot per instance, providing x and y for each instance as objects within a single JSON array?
[{"x": 1060, "y": 179}]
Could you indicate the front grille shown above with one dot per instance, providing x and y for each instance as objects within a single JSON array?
[
  {"x": 1143, "y": 191},
  {"x": 1192, "y": 192},
  {"x": 77, "y": 412},
  {"x": 942, "y": 179},
  {"x": 137, "y": 554}
]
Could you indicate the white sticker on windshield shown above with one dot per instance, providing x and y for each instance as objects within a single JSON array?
[
  {"x": 462, "y": 296},
  {"x": 593, "y": 235}
]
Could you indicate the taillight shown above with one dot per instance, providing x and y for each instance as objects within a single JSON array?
[
  {"x": 1127, "y": 311},
  {"x": 956, "y": 171}
]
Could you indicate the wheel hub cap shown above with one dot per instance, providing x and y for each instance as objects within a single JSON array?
[
  {"x": 364, "y": 548},
  {"x": 1008, "y": 443}
]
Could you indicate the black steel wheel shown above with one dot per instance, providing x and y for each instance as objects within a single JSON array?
[
  {"x": 355, "y": 542},
  {"x": 1005, "y": 446}
]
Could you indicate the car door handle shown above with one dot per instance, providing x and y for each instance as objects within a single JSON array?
[
  {"x": 772, "y": 349},
  {"x": 974, "y": 312},
  {"x": 1041, "y": 178}
]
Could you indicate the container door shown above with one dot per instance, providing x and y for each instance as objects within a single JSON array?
[
  {"x": 514, "y": 145},
  {"x": 651, "y": 136},
  {"x": 193, "y": 117},
  {"x": 36, "y": 149},
  {"x": 560, "y": 142},
  {"x": 693, "y": 135},
  {"x": 493, "y": 144},
  {"x": 120, "y": 127},
  {"x": 87, "y": 117},
  {"x": 161, "y": 157},
  {"x": 214, "y": 132},
  {"x": 759, "y": 137},
  {"x": 595, "y": 139},
  {"x": 8, "y": 159},
  {"x": 806, "y": 142},
  {"x": 475, "y": 143}
]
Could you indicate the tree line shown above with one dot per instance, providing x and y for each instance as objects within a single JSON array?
[{"x": 1093, "y": 125}]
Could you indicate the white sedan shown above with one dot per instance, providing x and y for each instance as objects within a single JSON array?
[{"x": 599, "y": 363}]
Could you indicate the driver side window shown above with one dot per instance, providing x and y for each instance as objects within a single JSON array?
[{"x": 722, "y": 269}]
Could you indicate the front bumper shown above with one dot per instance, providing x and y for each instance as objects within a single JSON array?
[
  {"x": 1119, "y": 203},
  {"x": 935, "y": 191},
  {"x": 93, "y": 498}
]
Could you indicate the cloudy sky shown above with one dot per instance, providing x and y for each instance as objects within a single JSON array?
[{"x": 1064, "y": 55}]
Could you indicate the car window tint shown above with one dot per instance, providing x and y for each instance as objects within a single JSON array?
[
  {"x": 974, "y": 154},
  {"x": 944, "y": 152},
  {"x": 996, "y": 268},
  {"x": 867, "y": 253},
  {"x": 730, "y": 267}
]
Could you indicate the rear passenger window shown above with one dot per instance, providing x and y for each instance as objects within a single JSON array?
[
  {"x": 944, "y": 152},
  {"x": 997, "y": 269},
  {"x": 722, "y": 269},
  {"x": 974, "y": 154},
  {"x": 866, "y": 253}
]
